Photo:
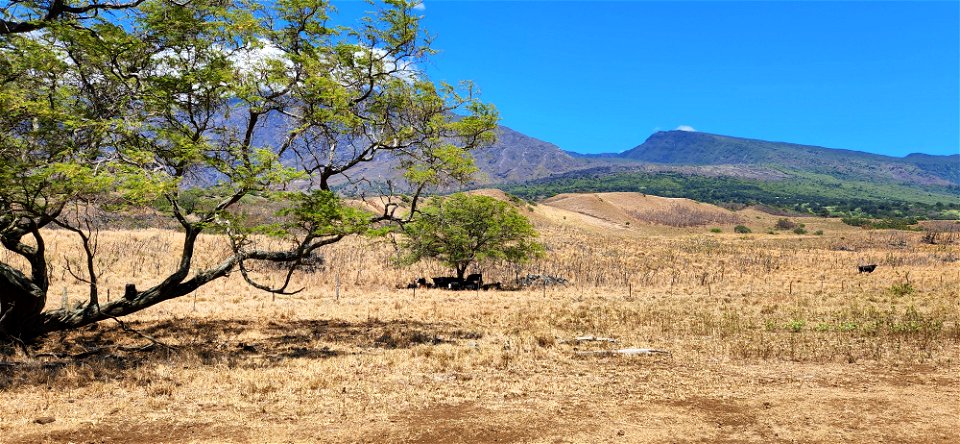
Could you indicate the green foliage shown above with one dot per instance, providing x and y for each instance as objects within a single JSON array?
[
  {"x": 895, "y": 223},
  {"x": 322, "y": 213},
  {"x": 716, "y": 230},
  {"x": 818, "y": 233},
  {"x": 461, "y": 229},
  {"x": 901, "y": 289},
  {"x": 742, "y": 229},
  {"x": 799, "y": 230},
  {"x": 796, "y": 325},
  {"x": 856, "y": 221}
]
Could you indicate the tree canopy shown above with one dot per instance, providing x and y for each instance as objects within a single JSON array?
[
  {"x": 463, "y": 228},
  {"x": 235, "y": 97}
]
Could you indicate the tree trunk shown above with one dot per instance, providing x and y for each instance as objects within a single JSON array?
[
  {"x": 21, "y": 305},
  {"x": 461, "y": 270}
]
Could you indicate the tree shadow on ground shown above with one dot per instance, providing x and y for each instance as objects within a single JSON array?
[{"x": 108, "y": 351}]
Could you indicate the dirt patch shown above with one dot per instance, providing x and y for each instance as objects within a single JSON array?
[
  {"x": 145, "y": 432},
  {"x": 730, "y": 420},
  {"x": 725, "y": 413},
  {"x": 463, "y": 423}
]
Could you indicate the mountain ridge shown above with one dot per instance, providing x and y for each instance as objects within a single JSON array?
[{"x": 698, "y": 148}]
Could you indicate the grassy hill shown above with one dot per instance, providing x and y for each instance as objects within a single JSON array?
[{"x": 803, "y": 192}]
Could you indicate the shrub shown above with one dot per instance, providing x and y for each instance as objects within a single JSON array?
[
  {"x": 854, "y": 221},
  {"x": 901, "y": 289},
  {"x": 785, "y": 224},
  {"x": 716, "y": 230},
  {"x": 742, "y": 229},
  {"x": 818, "y": 232},
  {"x": 895, "y": 223},
  {"x": 799, "y": 230}
]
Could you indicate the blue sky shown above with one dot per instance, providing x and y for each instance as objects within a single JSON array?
[{"x": 881, "y": 77}]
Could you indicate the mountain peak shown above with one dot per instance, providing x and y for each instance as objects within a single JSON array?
[{"x": 677, "y": 147}]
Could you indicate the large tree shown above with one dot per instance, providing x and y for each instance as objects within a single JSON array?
[
  {"x": 461, "y": 229},
  {"x": 227, "y": 95}
]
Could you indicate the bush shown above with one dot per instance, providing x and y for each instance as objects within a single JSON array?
[
  {"x": 796, "y": 325},
  {"x": 742, "y": 229},
  {"x": 895, "y": 223},
  {"x": 854, "y": 221},
  {"x": 785, "y": 224},
  {"x": 716, "y": 230},
  {"x": 901, "y": 289},
  {"x": 818, "y": 232},
  {"x": 799, "y": 230}
]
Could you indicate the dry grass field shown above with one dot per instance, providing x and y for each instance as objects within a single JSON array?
[{"x": 771, "y": 338}]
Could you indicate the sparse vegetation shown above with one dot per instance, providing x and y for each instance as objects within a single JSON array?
[
  {"x": 181, "y": 261},
  {"x": 758, "y": 305}
]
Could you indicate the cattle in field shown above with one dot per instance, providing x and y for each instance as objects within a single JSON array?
[
  {"x": 444, "y": 281},
  {"x": 866, "y": 268},
  {"x": 419, "y": 283},
  {"x": 494, "y": 286},
  {"x": 471, "y": 282}
]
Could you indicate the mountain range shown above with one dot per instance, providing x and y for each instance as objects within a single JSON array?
[
  {"x": 733, "y": 170},
  {"x": 717, "y": 168},
  {"x": 520, "y": 158}
]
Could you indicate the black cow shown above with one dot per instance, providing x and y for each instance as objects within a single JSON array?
[
  {"x": 866, "y": 268},
  {"x": 475, "y": 278},
  {"x": 494, "y": 286},
  {"x": 420, "y": 283},
  {"x": 444, "y": 281}
]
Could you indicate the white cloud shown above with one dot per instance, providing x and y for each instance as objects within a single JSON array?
[
  {"x": 686, "y": 128},
  {"x": 420, "y": 7}
]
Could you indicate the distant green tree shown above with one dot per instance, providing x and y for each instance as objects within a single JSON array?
[{"x": 461, "y": 229}]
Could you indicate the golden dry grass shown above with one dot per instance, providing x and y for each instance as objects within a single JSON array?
[
  {"x": 773, "y": 338},
  {"x": 632, "y": 208}
]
